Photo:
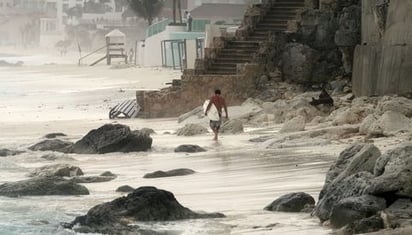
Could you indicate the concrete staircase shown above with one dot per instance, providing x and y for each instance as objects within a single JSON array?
[{"x": 239, "y": 52}]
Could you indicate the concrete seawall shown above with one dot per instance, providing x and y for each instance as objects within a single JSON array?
[{"x": 383, "y": 63}]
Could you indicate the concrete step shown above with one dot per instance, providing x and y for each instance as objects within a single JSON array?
[
  {"x": 265, "y": 30},
  {"x": 235, "y": 60},
  {"x": 264, "y": 25},
  {"x": 273, "y": 21},
  {"x": 218, "y": 72},
  {"x": 223, "y": 66}
]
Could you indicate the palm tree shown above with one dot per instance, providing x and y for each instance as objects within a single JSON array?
[{"x": 148, "y": 9}]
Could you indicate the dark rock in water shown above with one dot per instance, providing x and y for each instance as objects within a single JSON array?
[
  {"x": 125, "y": 189},
  {"x": 54, "y": 157},
  {"x": 54, "y": 135},
  {"x": 352, "y": 209},
  {"x": 53, "y": 145},
  {"x": 108, "y": 173},
  {"x": 93, "y": 179},
  {"x": 366, "y": 225},
  {"x": 189, "y": 148},
  {"x": 176, "y": 172},
  {"x": 143, "y": 204},
  {"x": 8, "y": 152},
  {"x": 292, "y": 202},
  {"x": 41, "y": 186},
  {"x": 61, "y": 170},
  {"x": 112, "y": 138},
  {"x": 4, "y": 63}
]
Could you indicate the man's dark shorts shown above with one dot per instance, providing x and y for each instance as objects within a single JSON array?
[{"x": 215, "y": 125}]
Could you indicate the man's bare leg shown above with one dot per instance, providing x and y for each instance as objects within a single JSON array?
[{"x": 215, "y": 131}]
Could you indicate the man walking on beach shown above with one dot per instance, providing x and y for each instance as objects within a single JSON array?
[{"x": 219, "y": 102}]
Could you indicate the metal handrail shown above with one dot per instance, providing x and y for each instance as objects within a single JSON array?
[{"x": 91, "y": 53}]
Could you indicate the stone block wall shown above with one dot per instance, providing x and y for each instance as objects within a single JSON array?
[
  {"x": 194, "y": 90},
  {"x": 383, "y": 63}
]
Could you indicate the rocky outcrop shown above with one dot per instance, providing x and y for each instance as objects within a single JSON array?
[
  {"x": 171, "y": 173},
  {"x": 143, "y": 204},
  {"x": 60, "y": 170},
  {"x": 189, "y": 148},
  {"x": 292, "y": 202},
  {"x": 41, "y": 186},
  {"x": 297, "y": 63},
  {"x": 112, "y": 138},
  {"x": 8, "y": 152},
  {"x": 53, "y": 145},
  {"x": 323, "y": 46},
  {"x": 191, "y": 130},
  {"x": 363, "y": 184}
]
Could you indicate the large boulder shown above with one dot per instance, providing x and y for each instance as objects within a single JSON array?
[
  {"x": 191, "y": 130},
  {"x": 396, "y": 104},
  {"x": 297, "y": 62},
  {"x": 112, "y": 138},
  {"x": 352, "y": 186},
  {"x": 53, "y": 145},
  {"x": 41, "y": 186},
  {"x": 61, "y": 170},
  {"x": 390, "y": 123},
  {"x": 352, "y": 209},
  {"x": 394, "y": 171},
  {"x": 171, "y": 173},
  {"x": 395, "y": 160},
  {"x": 189, "y": 148},
  {"x": 367, "y": 124},
  {"x": 292, "y": 202},
  {"x": 143, "y": 204},
  {"x": 293, "y": 125},
  {"x": 355, "y": 158}
]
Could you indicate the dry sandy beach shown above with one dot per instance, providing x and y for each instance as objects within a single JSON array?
[{"x": 235, "y": 176}]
